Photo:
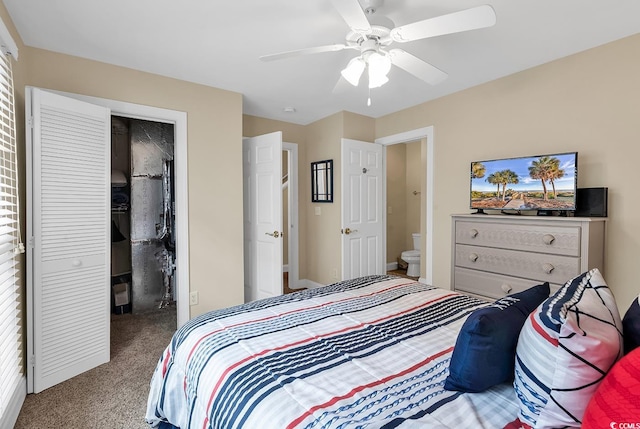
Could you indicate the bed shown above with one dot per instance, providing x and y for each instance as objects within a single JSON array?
[{"x": 371, "y": 352}]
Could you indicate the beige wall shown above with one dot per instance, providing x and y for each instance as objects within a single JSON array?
[
  {"x": 214, "y": 133},
  {"x": 319, "y": 234},
  {"x": 587, "y": 102},
  {"x": 323, "y": 264},
  {"x": 324, "y": 141}
]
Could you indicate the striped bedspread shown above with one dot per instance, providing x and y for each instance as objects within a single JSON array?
[{"x": 371, "y": 352}]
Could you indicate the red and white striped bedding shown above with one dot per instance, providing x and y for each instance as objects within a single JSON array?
[{"x": 371, "y": 352}]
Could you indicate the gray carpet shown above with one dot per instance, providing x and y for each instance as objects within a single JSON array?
[{"x": 113, "y": 395}]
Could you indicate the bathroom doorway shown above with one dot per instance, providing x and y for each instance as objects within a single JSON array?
[{"x": 404, "y": 174}]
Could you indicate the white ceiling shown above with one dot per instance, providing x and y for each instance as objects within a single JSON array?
[{"x": 217, "y": 43}]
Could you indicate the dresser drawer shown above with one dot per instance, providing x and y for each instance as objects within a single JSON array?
[
  {"x": 493, "y": 285},
  {"x": 528, "y": 265},
  {"x": 558, "y": 240}
]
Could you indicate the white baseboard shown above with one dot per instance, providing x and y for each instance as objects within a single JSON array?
[
  {"x": 10, "y": 416},
  {"x": 285, "y": 268},
  {"x": 423, "y": 280},
  {"x": 391, "y": 266},
  {"x": 308, "y": 284}
]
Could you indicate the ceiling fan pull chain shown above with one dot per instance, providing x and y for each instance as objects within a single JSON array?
[{"x": 369, "y": 99}]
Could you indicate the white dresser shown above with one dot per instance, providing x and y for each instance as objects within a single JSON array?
[{"x": 496, "y": 255}]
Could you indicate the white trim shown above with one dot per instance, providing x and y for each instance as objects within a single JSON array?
[
  {"x": 12, "y": 409},
  {"x": 407, "y": 136},
  {"x": 309, "y": 284},
  {"x": 179, "y": 120},
  {"x": 392, "y": 266},
  {"x": 7, "y": 44}
]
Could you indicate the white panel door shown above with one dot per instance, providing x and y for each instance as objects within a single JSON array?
[
  {"x": 362, "y": 223},
  {"x": 68, "y": 162},
  {"x": 262, "y": 175}
]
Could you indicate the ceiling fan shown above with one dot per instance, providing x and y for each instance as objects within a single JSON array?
[{"x": 373, "y": 40}]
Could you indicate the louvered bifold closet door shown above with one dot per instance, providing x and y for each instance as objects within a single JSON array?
[{"x": 70, "y": 237}]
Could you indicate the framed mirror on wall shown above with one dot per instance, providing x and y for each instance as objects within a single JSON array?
[{"x": 322, "y": 181}]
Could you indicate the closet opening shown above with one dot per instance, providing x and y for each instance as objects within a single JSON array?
[{"x": 143, "y": 237}]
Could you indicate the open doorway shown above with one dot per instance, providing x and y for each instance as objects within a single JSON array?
[
  {"x": 143, "y": 239},
  {"x": 179, "y": 121},
  {"x": 290, "y": 273},
  {"x": 404, "y": 174},
  {"x": 425, "y": 134}
]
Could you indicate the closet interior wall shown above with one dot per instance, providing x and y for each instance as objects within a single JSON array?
[{"x": 143, "y": 235}]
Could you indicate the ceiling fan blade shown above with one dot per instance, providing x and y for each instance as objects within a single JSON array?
[
  {"x": 414, "y": 65},
  {"x": 306, "y": 51},
  {"x": 353, "y": 15},
  {"x": 469, "y": 19}
]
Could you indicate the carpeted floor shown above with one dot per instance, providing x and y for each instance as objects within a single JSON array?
[{"x": 113, "y": 395}]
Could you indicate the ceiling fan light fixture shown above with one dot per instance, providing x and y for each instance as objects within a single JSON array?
[
  {"x": 379, "y": 66},
  {"x": 353, "y": 71}
]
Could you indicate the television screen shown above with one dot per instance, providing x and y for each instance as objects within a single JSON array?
[{"x": 545, "y": 182}]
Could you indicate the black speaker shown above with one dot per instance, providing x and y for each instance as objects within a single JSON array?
[{"x": 591, "y": 202}]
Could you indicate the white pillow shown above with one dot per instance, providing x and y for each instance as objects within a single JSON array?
[{"x": 565, "y": 348}]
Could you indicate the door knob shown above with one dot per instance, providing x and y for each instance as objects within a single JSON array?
[
  {"x": 274, "y": 234},
  {"x": 348, "y": 231}
]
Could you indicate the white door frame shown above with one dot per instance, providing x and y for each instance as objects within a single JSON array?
[
  {"x": 179, "y": 120},
  {"x": 405, "y": 137},
  {"x": 293, "y": 229}
]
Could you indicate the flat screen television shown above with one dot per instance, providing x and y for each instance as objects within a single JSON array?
[{"x": 545, "y": 183}]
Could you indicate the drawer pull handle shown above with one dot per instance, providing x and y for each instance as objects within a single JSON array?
[
  {"x": 548, "y": 239},
  {"x": 548, "y": 268},
  {"x": 506, "y": 288},
  {"x": 473, "y": 257},
  {"x": 473, "y": 233}
]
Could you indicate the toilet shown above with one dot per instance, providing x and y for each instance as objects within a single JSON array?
[{"x": 412, "y": 257}]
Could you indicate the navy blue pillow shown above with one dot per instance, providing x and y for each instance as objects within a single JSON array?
[
  {"x": 631, "y": 326},
  {"x": 485, "y": 350}
]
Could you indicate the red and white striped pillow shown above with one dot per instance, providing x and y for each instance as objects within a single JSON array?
[{"x": 565, "y": 348}]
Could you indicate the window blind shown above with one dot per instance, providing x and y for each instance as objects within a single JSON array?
[{"x": 11, "y": 371}]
